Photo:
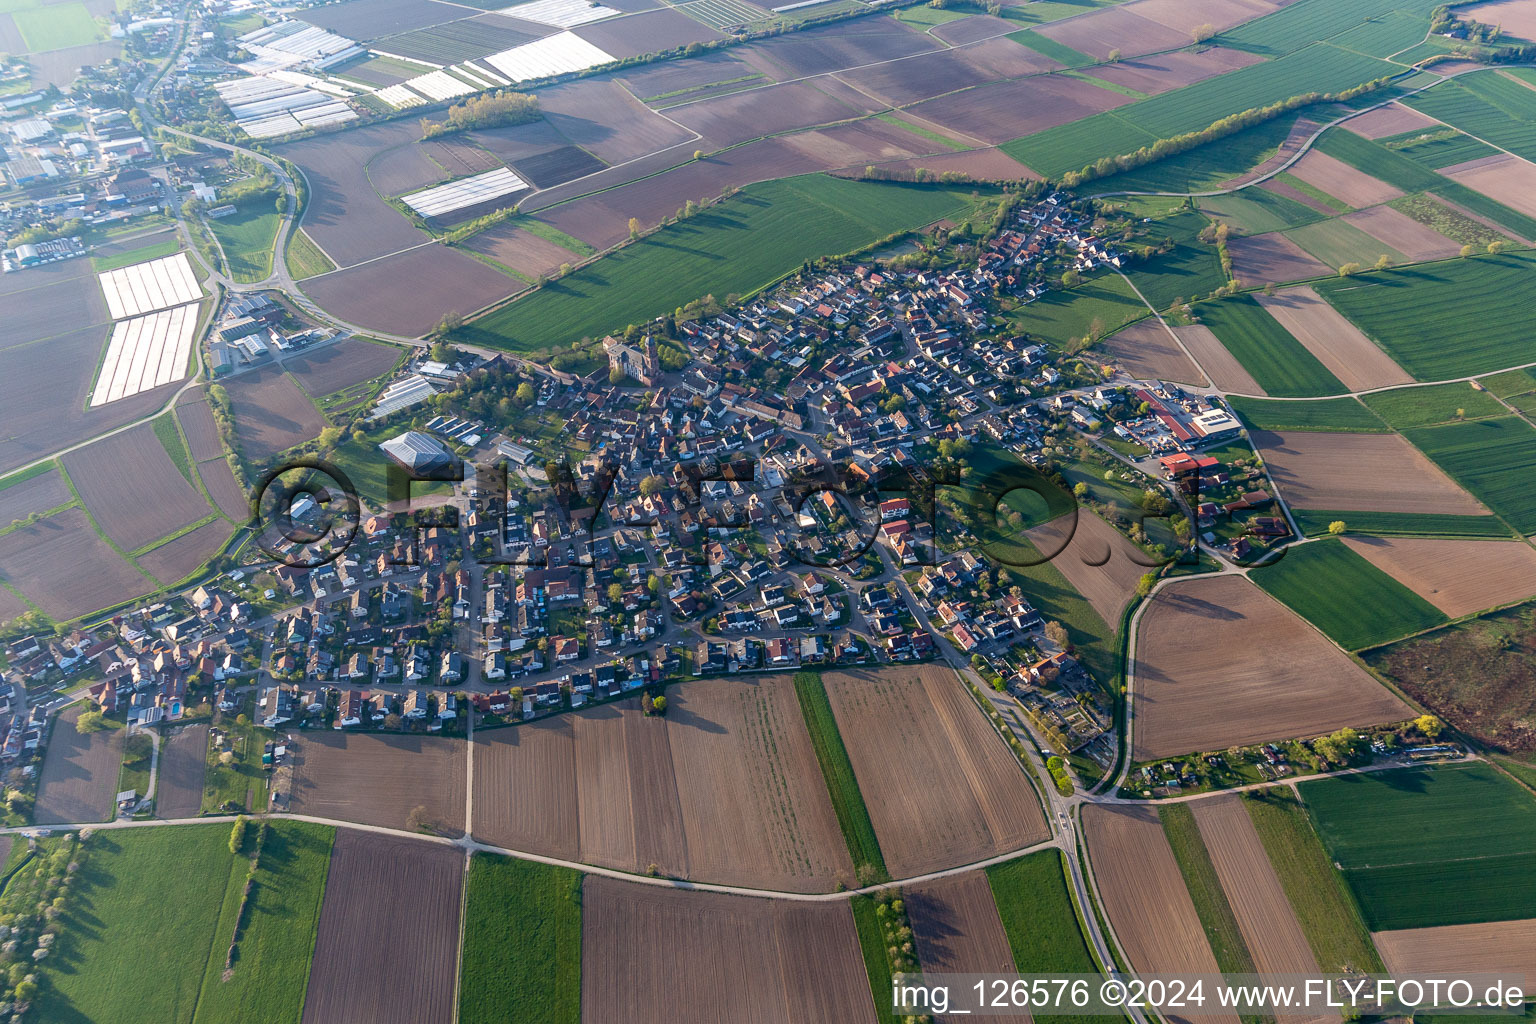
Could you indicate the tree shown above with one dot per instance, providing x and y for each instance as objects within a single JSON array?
[
  {"x": 1203, "y": 32},
  {"x": 1337, "y": 528},
  {"x": 1079, "y": 489},
  {"x": 1383, "y": 261},
  {"x": 634, "y": 227},
  {"x": 616, "y": 375},
  {"x": 1429, "y": 725},
  {"x": 1468, "y": 250},
  {"x": 615, "y": 593},
  {"x": 92, "y": 721},
  {"x": 659, "y": 705},
  {"x": 392, "y": 721},
  {"x": 1497, "y": 247},
  {"x": 1349, "y": 270},
  {"x": 1114, "y": 56},
  {"x": 652, "y": 485},
  {"x": 237, "y": 834},
  {"x": 526, "y": 394},
  {"x": 1057, "y": 634},
  {"x": 698, "y": 154},
  {"x": 1145, "y": 584}
]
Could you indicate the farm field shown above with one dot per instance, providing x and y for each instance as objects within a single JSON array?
[
  {"x": 1456, "y": 576},
  {"x": 1224, "y": 369},
  {"x": 1460, "y": 949},
  {"x": 337, "y": 367},
  {"x": 1491, "y": 458},
  {"x": 1275, "y": 359},
  {"x": 22, "y": 494},
  {"x": 956, "y": 929},
  {"x": 1098, "y": 560},
  {"x": 1143, "y": 894},
  {"x": 58, "y": 27},
  {"x": 1323, "y": 906},
  {"x": 1252, "y": 889},
  {"x": 247, "y": 237},
  {"x": 522, "y": 942},
  {"x": 1449, "y": 221},
  {"x": 725, "y": 788},
  {"x": 79, "y": 776},
  {"x": 1348, "y": 355},
  {"x": 388, "y": 933},
  {"x": 271, "y": 413},
  {"x": 183, "y": 763},
  {"x": 1257, "y": 211},
  {"x": 198, "y": 426},
  {"x": 1191, "y": 647},
  {"x": 1148, "y": 351},
  {"x": 1096, "y": 307},
  {"x": 277, "y": 935},
  {"x": 1226, "y": 939},
  {"x": 1469, "y": 862},
  {"x": 123, "y": 902},
  {"x": 304, "y": 258},
  {"x": 1342, "y": 414},
  {"x": 665, "y": 951},
  {"x": 1408, "y": 312},
  {"x": 1341, "y": 181},
  {"x": 948, "y": 791},
  {"x": 408, "y": 293},
  {"x": 132, "y": 488},
  {"x": 1398, "y": 232},
  {"x": 1314, "y": 522},
  {"x": 1189, "y": 269},
  {"x": 1272, "y": 259},
  {"x": 1370, "y": 472},
  {"x": 1475, "y": 675},
  {"x": 837, "y": 771},
  {"x": 1038, "y": 915},
  {"x": 378, "y": 779},
  {"x": 1344, "y": 595},
  {"x": 65, "y": 567},
  {"x": 788, "y": 220},
  {"x": 178, "y": 559},
  {"x": 1438, "y": 403}
]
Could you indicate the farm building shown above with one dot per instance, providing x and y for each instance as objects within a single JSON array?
[{"x": 417, "y": 452}]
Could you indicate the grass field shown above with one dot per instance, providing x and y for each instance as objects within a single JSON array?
[
  {"x": 1190, "y": 269},
  {"x": 1337, "y": 242},
  {"x": 56, "y": 27},
  {"x": 1327, "y": 912},
  {"x": 1487, "y": 105},
  {"x": 1049, "y": 47},
  {"x": 737, "y": 247},
  {"x": 925, "y": 17},
  {"x": 1205, "y": 168},
  {"x": 102, "y": 264},
  {"x": 1466, "y": 857},
  {"x": 1411, "y": 311},
  {"x": 1438, "y": 149},
  {"x": 1343, "y": 414},
  {"x": 1507, "y": 385},
  {"x": 842, "y": 786},
  {"x": 1494, "y": 459},
  {"x": 1297, "y": 25},
  {"x": 367, "y": 467},
  {"x": 1039, "y": 919},
  {"x": 1314, "y": 522},
  {"x": 1253, "y": 211},
  {"x": 1442, "y": 403},
  {"x": 1378, "y": 161},
  {"x": 1281, "y": 364},
  {"x": 242, "y": 781},
  {"x": 1345, "y": 596},
  {"x": 304, "y": 258},
  {"x": 126, "y": 902},
  {"x": 522, "y": 942},
  {"x": 1099, "y": 306},
  {"x": 277, "y": 933},
  {"x": 247, "y": 237},
  {"x": 1216, "y": 917},
  {"x": 877, "y": 963},
  {"x": 170, "y": 439}
]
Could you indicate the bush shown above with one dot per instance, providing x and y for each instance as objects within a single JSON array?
[{"x": 237, "y": 834}]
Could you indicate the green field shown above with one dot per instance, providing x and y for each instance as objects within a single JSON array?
[
  {"x": 368, "y": 468},
  {"x": 1378, "y": 161},
  {"x": 1298, "y": 24},
  {"x": 877, "y": 962},
  {"x": 925, "y": 17},
  {"x": 522, "y": 942},
  {"x": 1190, "y": 269},
  {"x": 1421, "y": 847},
  {"x": 737, "y": 247},
  {"x": 1437, "y": 149},
  {"x": 1342, "y": 414},
  {"x": 1039, "y": 919},
  {"x": 57, "y": 27},
  {"x": 1345, "y": 596},
  {"x": 304, "y": 258},
  {"x": 1099, "y": 306},
  {"x": 1337, "y": 242},
  {"x": 1475, "y": 202},
  {"x": 1280, "y": 364},
  {"x": 102, "y": 264},
  {"x": 170, "y": 439},
  {"x": 1494, "y": 459},
  {"x": 1049, "y": 47},
  {"x": 1314, "y": 522},
  {"x": 277, "y": 937},
  {"x": 1412, "y": 311},
  {"x": 1324, "y": 907},
  {"x": 1383, "y": 35},
  {"x": 1253, "y": 211},
  {"x": 1487, "y": 105},
  {"x": 144, "y": 896},
  {"x": 1215, "y": 912},
  {"x": 247, "y": 237},
  {"x": 842, "y": 785},
  {"x": 1440, "y": 403},
  {"x": 1507, "y": 385}
]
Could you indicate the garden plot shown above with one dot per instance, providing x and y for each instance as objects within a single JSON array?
[{"x": 146, "y": 287}]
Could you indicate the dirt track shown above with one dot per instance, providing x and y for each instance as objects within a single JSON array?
[
  {"x": 1219, "y": 662},
  {"x": 660, "y": 955},
  {"x": 389, "y": 933},
  {"x": 941, "y": 788}
]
